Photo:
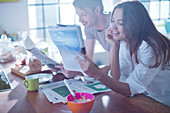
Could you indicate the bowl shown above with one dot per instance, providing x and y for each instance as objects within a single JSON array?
[{"x": 80, "y": 107}]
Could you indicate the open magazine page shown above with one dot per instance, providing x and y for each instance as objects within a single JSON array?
[
  {"x": 57, "y": 92},
  {"x": 69, "y": 41}
]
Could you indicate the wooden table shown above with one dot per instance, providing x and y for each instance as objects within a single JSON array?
[{"x": 19, "y": 100}]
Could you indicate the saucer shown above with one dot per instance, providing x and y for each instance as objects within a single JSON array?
[{"x": 43, "y": 77}]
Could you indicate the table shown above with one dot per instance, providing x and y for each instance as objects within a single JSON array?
[{"x": 19, "y": 100}]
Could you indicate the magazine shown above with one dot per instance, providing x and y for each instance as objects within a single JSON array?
[{"x": 68, "y": 39}]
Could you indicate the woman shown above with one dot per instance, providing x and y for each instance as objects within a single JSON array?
[{"x": 140, "y": 55}]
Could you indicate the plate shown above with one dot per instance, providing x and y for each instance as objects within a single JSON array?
[{"x": 43, "y": 77}]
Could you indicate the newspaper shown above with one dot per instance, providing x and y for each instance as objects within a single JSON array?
[
  {"x": 31, "y": 47},
  {"x": 68, "y": 39},
  {"x": 57, "y": 92}
]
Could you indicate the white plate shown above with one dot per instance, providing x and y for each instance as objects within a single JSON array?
[{"x": 43, "y": 77}]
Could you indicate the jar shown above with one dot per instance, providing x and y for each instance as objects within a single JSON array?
[{"x": 7, "y": 49}]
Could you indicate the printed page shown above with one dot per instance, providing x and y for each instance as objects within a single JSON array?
[
  {"x": 69, "y": 60},
  {"x": 30, "y": 46},
  {"x": 41, "y": 56},
  {"x": 57, "y": 92},
  {"x": 69, "y": 41}
]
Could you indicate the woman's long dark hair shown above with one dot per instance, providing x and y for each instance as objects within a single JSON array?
[{"x": 138, "y": 26}]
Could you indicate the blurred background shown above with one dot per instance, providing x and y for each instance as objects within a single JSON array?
[{"x": 35, "y": 17}]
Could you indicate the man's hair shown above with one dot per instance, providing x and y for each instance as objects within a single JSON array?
[{"x": 91, "y": 4}]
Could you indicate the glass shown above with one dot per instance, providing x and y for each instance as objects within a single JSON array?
[
  {"x": 66, "y": 1},
  {"x": 154, "y": 0},
  {"x": 36, "y": 35},
  {"x": 144, "y": 0},
  {"x": 7, "y": 50},
  {"x": 21, "y": 36},
  {"x": 35, "y": 16},
  {"x": 164, "y": 12},
  {"x": 67, "y": 14},
  {"x": 154, "y": 10},
  {"x": 34, "y": 1},
  {"x": 50, "y": 1},
  {"x": 51, "y": 15}
]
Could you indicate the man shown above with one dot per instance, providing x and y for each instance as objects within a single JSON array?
[{"x": 91, "y": 15}]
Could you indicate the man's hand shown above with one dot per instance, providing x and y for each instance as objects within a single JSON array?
[{"x": 67, "y": 73}]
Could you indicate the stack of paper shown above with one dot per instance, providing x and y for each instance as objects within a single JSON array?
[{"x": 57, "y": 92}]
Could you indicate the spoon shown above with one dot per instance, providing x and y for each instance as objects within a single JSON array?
[{"x": 71, "y": 91}]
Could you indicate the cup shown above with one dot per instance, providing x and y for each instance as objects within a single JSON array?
[{"x": 31, "y": 82}]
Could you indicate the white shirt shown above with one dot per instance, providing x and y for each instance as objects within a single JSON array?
[{"x": 155, "y": 81}]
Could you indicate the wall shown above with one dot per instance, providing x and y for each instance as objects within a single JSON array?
[{"x": 14, "y": 16}]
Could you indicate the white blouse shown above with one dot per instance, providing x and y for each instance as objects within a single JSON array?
[{"x": 154, "y": 81}]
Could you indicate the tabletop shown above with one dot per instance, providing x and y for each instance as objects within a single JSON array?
[{"x": 19, "y": 100}]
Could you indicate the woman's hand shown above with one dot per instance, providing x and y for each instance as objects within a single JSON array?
[
  {"x": 67, "y": 73},
  {"x": 109, "y": 38},
  {"x": 90, "y": 68}
]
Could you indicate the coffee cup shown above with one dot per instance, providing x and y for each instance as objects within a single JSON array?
[{"x": 31, "y": 82}]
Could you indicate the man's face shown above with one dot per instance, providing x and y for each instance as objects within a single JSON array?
[{"x": 86, "y": 17}]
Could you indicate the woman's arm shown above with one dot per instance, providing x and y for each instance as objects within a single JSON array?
[
  {"x": 115, "y": 68},
  {"x": 116, "y": 85},
  {"x": 94, "y": 71},
  {"x": 113, "y": 54}
]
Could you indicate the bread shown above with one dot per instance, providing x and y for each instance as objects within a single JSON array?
[{"x": 35, "y": 65}]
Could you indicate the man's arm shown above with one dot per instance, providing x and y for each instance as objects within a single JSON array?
[{"x": 90, "y": 44}]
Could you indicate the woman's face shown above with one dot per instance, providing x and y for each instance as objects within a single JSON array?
[
  {"x": 117, "y": 25},
  {"x": 86, "y": 17}
]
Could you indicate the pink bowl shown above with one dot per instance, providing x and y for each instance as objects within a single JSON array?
[{"x": 80, "y": 107}]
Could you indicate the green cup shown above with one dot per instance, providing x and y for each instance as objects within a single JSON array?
[{"x": 31, "y": 82}]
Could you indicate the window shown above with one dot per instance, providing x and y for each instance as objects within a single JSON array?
[
  {"x": 45, "y": 13},
  {"x": 158, "y": 9}
]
